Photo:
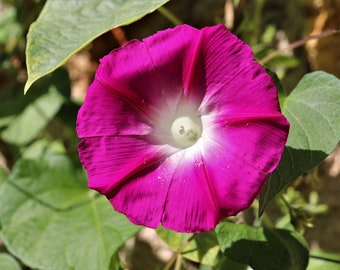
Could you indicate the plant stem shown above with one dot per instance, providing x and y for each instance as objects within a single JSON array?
[
  {"x": 266, "y": 221},
  {"x": 169, "y": 15},
  {"x": 325, "y": 259},
  {"x": 178, "y": 263},
  {"x": 297, "y": 44},
  {"x": 285, "y": 202},
  {"x": 178, "y": 252}
]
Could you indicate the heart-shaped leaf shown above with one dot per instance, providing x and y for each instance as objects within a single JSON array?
[
  {"x": 313, "y": 111},
  {"x": 50, "y": 220}
]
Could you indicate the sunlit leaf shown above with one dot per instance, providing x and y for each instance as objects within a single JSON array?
[
  {"x": 263, "y": 248},
  {"x": 41, "y": 147},
  {"x": 64, "y": 27},
  {"x": 313, "y": 111},
  {"x": 322, "y": 260},
  {"x": 203, "y": 248},
  {"x": 50, "y": 220}
]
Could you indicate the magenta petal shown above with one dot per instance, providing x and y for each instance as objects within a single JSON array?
[
  {"x": 247, "y": 152},
  {"x": 190, "y": 205},
  {"x": 248, "y": 96},
  {"x": 176, "y": 193},
  {"x": 226, "y": 56},
  {"x": 106, "y": 113},
  {"x": 153, "y": 70},
  {"x": 257, "y": 141},
  {"x": 235, "y": 81},
  {"x": 130, "y": 72},
  {"x": 178, "y": 61},
  {"x": 141, "y": 198},
  {"x": 111, "y": 160},
  {"x": 207, "y": 76}
]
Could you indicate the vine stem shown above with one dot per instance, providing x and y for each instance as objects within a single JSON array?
[
  {"x": 178, "y": 252},
  {"x": 285, "y": 202},
  {"x": 169, "y": 15},
  {"x": 298, "y": 43},
  {"x": 325, "y": 259},
  {"x": 178, "y": 263}
]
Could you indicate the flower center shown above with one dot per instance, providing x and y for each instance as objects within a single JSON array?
[{"x": 186, "y": 131}]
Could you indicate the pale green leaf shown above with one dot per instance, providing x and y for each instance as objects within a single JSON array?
[
  {"x": 50, "y": 220},
  {"x": 26, "y": 126},
  {"x": 3, "y": 178},
  {"x": 10, "y": 29},
  {"x": 41, "y": 147},
  {"x": 7, "y": 262},
  {"x": 313, "y": 111},
  {"x": 263, "y": 248},
  {"x": 321, "y": 260},
  {"x": 203, "y": 248},
  {"x": 64, "y": 27}
]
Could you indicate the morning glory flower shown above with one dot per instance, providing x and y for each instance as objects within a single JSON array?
[{"x": 181, "y": 129}]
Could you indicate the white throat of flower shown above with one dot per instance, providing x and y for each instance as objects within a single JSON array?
[{"x": 186, "y": 131}]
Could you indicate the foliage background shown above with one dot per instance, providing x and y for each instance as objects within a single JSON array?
[{"x": 43, "y": 121}]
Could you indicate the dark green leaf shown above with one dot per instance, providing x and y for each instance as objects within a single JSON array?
[
  {"x": 281, "y": 91},
  {"x": 50, "y": 220},
  {"x": 65, "y": 27},
  {"x": 313, "y": 111},
  {"x": 262, "y": 248},
  {"x": 229, "y": 264}
]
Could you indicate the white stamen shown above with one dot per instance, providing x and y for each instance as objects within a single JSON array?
[{"x": 186, "y": 131}]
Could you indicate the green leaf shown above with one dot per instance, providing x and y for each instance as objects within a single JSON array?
[
  {"x": 26, "y": 126},
  {"x": 7, "y": 262},
  {"x": 41, "y": 147},
  {"x": 262, "y": 248},
  {"x": 10, "y": 28},
  {"x": 313, "y": 112},
  {"x": 283, "y": 61},
  {"x": 50, "y": 220},
  {"x": 229, "y": 264},
  {"x": 64, "y": 27},
  {"x": 202, "y": 249},
  {"x": 3, "y": 178},
  {"x": 321, "y": 260}
]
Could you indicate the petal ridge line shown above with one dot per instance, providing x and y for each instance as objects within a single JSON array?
[{"x": 146, "y": 111}]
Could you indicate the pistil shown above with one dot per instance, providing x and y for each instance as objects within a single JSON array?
[{"x": 186, "y": 131}]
